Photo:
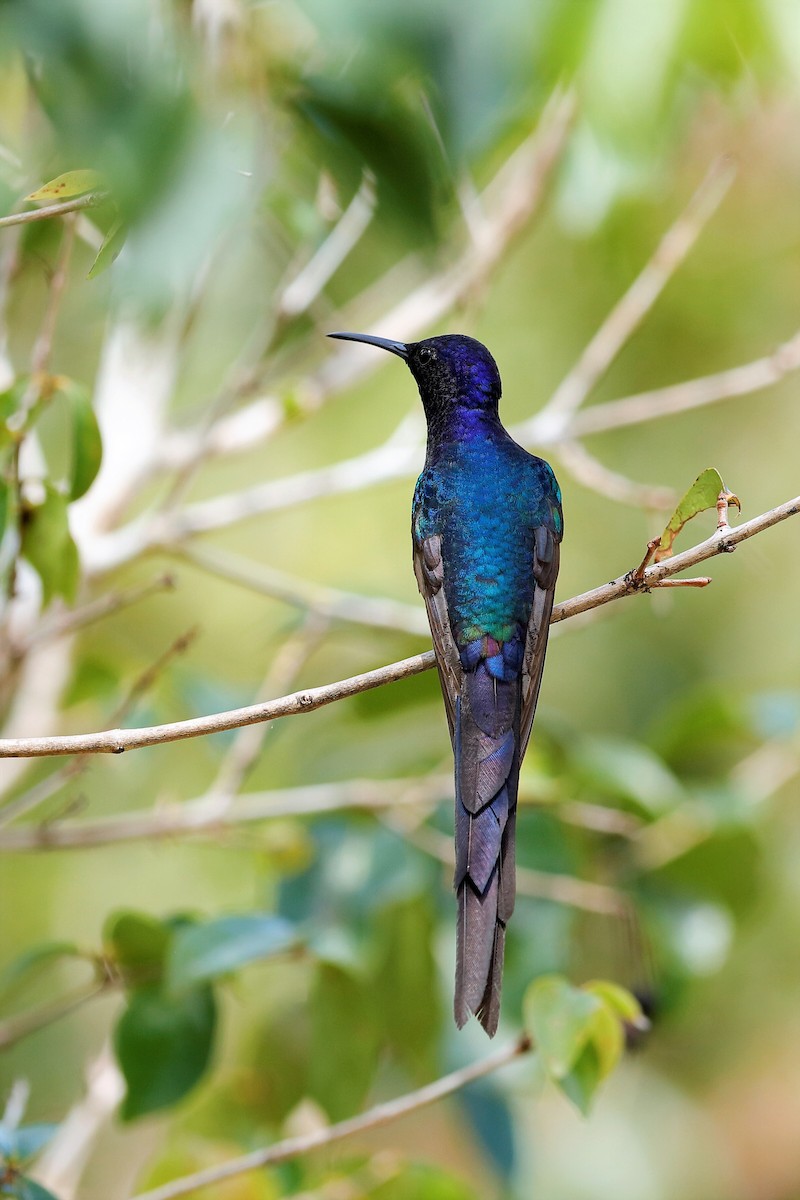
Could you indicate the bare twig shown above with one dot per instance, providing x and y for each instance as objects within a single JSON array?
[
  {"x": 14, "y": 1029},
  {"x": 374, "y": 1118},
  {"x": 540, "y": 885},
  {"x": 304, "y": 288},
  {"x": 45, "y": 788},
  {"x": 244, "y": 751},
  {"x": 91, "y": 200},
  {"x": 693, "y": 393},
  {"x": 60, "y": 1167},
  {"x": 510, "y": 201},
  {"x": 115, "y": 741},
  {"x": 590, "y": 472},
  {"x": 640, "y": 297},
  {"x": 215, "y": 812},
  {"x": 71, "y": 620},
  {"x": 327, "y": 602}
]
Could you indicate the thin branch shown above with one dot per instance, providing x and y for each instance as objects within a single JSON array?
[
  {"x": 640, "y": 297},
  {"x": 693, "y": 393},
  {"x": 374, "y": 1118},
  {"x": 540, "y": 885},
  {"x": 591, "y": 473},
  {"x": 115, "y": 741},
  {"x": 14, "y": 1029},
  {"x": 71, "y": 620},
  {"x": 214, "y": 812},
  {"x": 91, "y": 200},
  {"x": 510, "y": 201},
  {"x": 327, "y": 602},
  {"x": 302, "y": 291},
  {"x": 45, "y": 788},
  {"x": 283, "y": 672}
]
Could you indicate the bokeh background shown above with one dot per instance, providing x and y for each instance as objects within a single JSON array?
[{"x": 282, "y": 169}]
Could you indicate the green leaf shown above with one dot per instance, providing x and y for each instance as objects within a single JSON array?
[
  {"x": 139, "y": 944},
  {"x": 344, "y": 1041},
  {"x": 48, "y": 546},
  {"x": 617, "y": 999},
  {"x": 560, "y": 1018},
  {"x": 581, "y": 1083},
  {"x": 406, "y": 981},
  {"x": 87, "y": 445},
  {"x": 37, "y": 956},
  {"x": 112, "y": 244},
  {"x": 626, "y": 770},
  {"x": 68, "y": 185},
  {"x": 579, "y": 1032},
  {"x": 701, "y": 495},
  {"x": 200, "y": 953},
  {"x": 163, "y": 1046}
]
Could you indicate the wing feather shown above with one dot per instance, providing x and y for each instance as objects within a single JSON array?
[{"x": 429, "y": 571}]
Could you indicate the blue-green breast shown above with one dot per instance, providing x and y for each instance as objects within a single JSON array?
[{"x": 485, "y": 498}]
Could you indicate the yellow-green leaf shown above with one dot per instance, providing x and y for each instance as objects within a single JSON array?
[
  {"x": 68, "y": 185},
  {"x": 112, "y": 244},
  {"x": 559, "y": 1016},
  {"x": 618, "y": 999},
  {"x": 703, "y": 494}
]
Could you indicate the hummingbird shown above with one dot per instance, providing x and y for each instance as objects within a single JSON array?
[{"x": 486, "y": 529}]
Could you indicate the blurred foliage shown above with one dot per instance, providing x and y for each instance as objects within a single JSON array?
[{"x": 266, "y": 979}]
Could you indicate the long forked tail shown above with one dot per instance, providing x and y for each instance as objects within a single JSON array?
[{"x": 487, "y": 724}]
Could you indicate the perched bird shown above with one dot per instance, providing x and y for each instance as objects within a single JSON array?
[{"x": 486, "y": 528}]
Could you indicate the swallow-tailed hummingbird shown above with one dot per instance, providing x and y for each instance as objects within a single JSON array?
[{"x": 486, "y": 529}]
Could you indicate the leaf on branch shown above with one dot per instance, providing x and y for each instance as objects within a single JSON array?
[
  {"x": 87, "y": 445},
  {"x": 48, "y": 546},
  {"x": 138, "y": 945},
  {"x": 201, "y": 953},
  {"x": 703, "y": 494},
  {"x": 579, "y": 1032},
  {"x": 69, "y": 185},
  {"x": 37, "y": 956},
  {"x": 112, "y": 244}
]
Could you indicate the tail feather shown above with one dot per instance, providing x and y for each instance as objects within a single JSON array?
[{"x": 486, "y": 738}]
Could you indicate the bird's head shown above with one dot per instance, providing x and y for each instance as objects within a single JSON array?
[{"x": 452, "y": 371}]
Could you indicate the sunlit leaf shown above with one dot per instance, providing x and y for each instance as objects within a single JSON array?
[
  {"x": 112, "y": 244},
  {"x": 582, "y": 1081},
  {"x": 68, "y": 185},
  {"x": 163, "y": 1045},
  {"x": 559, "y": 1016},
  {"x": 200, "y": 953},
  {"x": 48, "y": 546},
  {"x": 701, "y": 495},
  {"x": 617, "y": 999}
]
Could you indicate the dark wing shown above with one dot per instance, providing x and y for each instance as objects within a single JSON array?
[
  {"x": 429, "y": 571},
  {"x": 545, "y": 572}
]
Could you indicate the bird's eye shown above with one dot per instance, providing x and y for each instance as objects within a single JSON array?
[{"x": 425, "y": 354}]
